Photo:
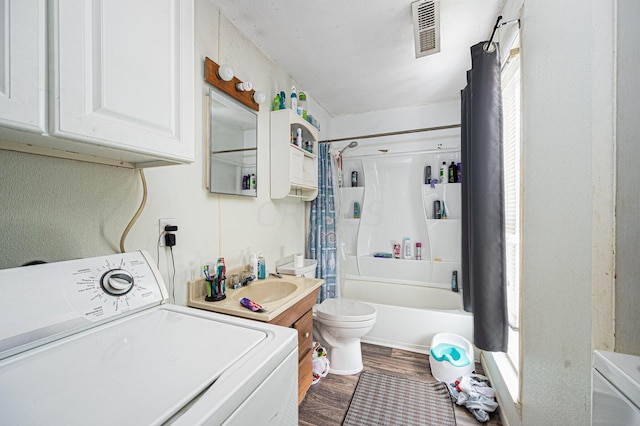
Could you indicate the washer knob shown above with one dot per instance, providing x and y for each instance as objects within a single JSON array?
[{"x": 117, "y": 282}]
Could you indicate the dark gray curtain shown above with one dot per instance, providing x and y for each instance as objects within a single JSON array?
[{"x": 483, "y": 245}]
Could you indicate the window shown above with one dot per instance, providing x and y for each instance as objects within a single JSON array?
[{"x": 511, "y": 105}]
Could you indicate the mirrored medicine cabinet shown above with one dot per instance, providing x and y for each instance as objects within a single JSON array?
[{"x": 233, "y": 147}]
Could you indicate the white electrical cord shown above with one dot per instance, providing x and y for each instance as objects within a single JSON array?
[{"x": 137, "y": 215}]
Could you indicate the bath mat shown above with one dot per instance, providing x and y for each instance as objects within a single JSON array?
[{"x": 381, "y": 399}]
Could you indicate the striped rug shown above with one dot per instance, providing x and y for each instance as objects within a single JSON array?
[{"x": 381, "y": 399}]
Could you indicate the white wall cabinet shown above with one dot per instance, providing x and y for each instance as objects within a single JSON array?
[
  {"x": 120, "y": 86},
  {"x": 294, "y": 171},
  {"x": 23, "y": 54}
]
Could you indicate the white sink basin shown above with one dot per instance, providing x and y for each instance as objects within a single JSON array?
[{"x": 266, "y": 291}]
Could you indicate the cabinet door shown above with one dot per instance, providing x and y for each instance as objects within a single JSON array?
[
  {"x": 22, "y": 64},
  {"x": 296, "y": 166},
  {"x": 123, "y": 74},
  {"x": 310, "y": 172}
]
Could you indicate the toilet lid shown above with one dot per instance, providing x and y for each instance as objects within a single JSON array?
[{"x": 345, "y": 310}]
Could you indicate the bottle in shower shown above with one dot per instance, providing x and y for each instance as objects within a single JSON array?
[
  {"x": 453, "y": 172},
  {"x": 437, "y": 212},
  {"x": 407, "y": 249},
  {"x": 356, "y": 210},
  {"x": 418, "y": 251},
  {"x": 443, "y": 172}
]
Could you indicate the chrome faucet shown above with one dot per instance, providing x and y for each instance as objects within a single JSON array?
[{"x": 246, "y": 280}]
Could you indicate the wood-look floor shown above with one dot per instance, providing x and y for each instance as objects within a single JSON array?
[{"x": 327, "y": 401}]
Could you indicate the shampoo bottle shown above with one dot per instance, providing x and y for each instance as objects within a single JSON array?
[
  {"x": 453, "y": 172},
  {"x": 443, "y": 172},
  {"x": 283, "y": 99},
  {"x": 407, "y": 248},
  {"x": 302, "y": 105},
  {"x": 454, "y": 282}
]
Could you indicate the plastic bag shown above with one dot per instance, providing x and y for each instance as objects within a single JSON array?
[{"x": 319, "y": 363}]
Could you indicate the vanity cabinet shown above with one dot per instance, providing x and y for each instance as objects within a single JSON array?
[
  {"x": 294, "y": 170},
  {"x": 295, "y": 311},
  {"x": 300, "y": 317},
  {"x": 107, "y": 82}
]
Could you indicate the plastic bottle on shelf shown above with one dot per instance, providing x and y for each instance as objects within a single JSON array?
[
  {"x": 302, "y": 105},
  {"x": 453, "y": 172},
  {"x": 356, "y": 210},
  {"x": 283, "y": 99},
  {"x": 443, "y": 172},
  {"x": 299, "y": 137},
  {"x": 437, "y": 212},
  {"x": 418, "y": 251},
  {"x": 407, "y": 249},
  {"x": 276, "y": 102},
  {"x": 294, "y": 99}
]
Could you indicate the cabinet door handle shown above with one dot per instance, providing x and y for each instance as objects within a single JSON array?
[{"x": 306, "y": 335}]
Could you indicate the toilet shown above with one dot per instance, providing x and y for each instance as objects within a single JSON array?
[{"x": 338, "y": 325}]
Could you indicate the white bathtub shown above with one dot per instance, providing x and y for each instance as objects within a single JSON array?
[{"x": 408, "y": 316}]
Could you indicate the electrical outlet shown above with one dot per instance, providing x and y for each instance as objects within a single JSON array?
[{"x": 163, "y": 223}]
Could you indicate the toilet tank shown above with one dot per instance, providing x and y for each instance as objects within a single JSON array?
[{"x": 286, "y": 266}]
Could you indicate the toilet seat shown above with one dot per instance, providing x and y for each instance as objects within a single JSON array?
[{"x": 344, "y": 310}]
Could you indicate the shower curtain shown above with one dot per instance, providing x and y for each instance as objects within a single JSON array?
[
  {"x": 483, "y": 239},
  {"x": 322, "y": 241}
]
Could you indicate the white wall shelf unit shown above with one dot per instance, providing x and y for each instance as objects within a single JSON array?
[
  {"x": 90, "y": 81},
  {"x": 294, "y": 170}
]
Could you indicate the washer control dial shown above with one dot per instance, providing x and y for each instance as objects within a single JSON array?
[{"x": 117, "y": 282}]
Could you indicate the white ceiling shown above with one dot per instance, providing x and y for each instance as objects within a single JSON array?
[{"x": 355, "y": 56}]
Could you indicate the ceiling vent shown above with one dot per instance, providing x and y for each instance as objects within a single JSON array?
[{"x": 426, "y": 27}]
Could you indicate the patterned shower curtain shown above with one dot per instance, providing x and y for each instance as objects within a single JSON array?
[{"x": 323, "y": 241}]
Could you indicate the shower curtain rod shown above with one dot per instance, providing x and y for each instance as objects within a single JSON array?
[
  {"x": 400, "y": 132},
  {"x": 487, "y": 46}
]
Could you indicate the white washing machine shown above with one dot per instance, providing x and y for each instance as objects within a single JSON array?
[
  {"x": 93, "y": 341},
  {"x": 616, "y": 389}
]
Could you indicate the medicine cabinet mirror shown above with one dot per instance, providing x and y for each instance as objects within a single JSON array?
[{"x": 233, "y": 148}]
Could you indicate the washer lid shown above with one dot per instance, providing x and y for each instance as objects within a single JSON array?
[
  {"x": 139, "y": 370},
  {"x": 345, "y": 310},
  {"x": 622, "y": 371}
]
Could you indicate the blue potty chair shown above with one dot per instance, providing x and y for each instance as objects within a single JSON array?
[{"x": 450, "y": 357}]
